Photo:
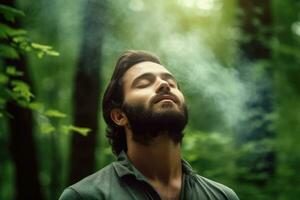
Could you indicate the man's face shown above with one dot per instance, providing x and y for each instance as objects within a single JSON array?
[{"x": 153, "y": 102}]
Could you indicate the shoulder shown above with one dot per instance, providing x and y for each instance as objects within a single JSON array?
[
  {"x": 69, "y": 194},
  {"x": 95, "y": 186},
  {"x": 215, "y": 188}
]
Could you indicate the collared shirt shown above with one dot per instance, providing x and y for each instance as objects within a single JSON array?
[{"x": 120, "y": 180}]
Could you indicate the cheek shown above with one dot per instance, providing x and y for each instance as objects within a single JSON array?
[
  {"x": 180, "y": 96},
  {"x": 138, "y": 97}
]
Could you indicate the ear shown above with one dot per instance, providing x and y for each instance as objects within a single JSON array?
[{"x": 118, "y": 117}]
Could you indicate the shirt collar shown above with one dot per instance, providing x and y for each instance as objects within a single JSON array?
[{"x": 124, "y": 167}]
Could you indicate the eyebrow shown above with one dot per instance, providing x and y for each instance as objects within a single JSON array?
[{"x": 151, "y": 75}]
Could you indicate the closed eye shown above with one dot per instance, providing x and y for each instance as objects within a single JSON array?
[
  {"x": 142, "y": 83},
  {"x": 147, "y": 79},
  {"x": 172, "y": 83}
]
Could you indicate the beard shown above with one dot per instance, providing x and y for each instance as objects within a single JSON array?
[{"x": 147, "y": 124}]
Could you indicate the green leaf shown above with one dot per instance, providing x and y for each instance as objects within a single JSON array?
[
  {"x": 7, "y": 51},
  {"x": 23, "y": 103},
  {"x": 52, "y": 53},
  {"x": 55, "y": 113},
  {"x": 9, "y": 94},
  {"x": 3, "y": 79},
  {"x": 3, "y": 32},
  {"x": 41, "y": 46},
  {"x": 8, "y": 31},
  {"x": 47, "y": 128},
  {"x": 11, "y": 70},
  {"x": 22, "y": 90},
  {"x": 19, "y": 39},
  {"x": 81, "y": 130},
  {"x": 40, "y": 54},
  {"x": 10, "y": 13},
  {"x": 36, "y": 106},
  {"x": 18, "y": 33},
  {"x": 44, "y": 50}
]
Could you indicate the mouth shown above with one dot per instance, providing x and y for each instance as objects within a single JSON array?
[{"x": 166, "y": 97}]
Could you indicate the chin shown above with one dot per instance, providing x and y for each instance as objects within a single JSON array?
[
  {"x": 166, "y": 110},
  {"x": 167, "y": 105}
]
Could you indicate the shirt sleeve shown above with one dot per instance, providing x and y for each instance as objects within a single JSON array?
[
  {"x": 231, "y": 194},
  {"x": 70, "y": 194}
]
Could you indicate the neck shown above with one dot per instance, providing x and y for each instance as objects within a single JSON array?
[{"x": 160, "y": 161}]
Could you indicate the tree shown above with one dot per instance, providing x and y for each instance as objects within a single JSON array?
[
  {"x": 22, "y": 145},
  {"x": 87, "y": 91},
  {"x": 256, "y": 26}
]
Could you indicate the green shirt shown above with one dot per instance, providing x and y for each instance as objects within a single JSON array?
[{"x": 120, "y": 180}]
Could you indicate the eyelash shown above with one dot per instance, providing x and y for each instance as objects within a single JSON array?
[
  {"x": 144, "y": 85},
  {"x": 172, "y": 83}
]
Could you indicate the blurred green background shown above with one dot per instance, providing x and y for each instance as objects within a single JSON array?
[{"x": 238, "y": 63}]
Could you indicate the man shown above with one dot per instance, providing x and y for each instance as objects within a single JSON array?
[{"x": 145, "y": 111}]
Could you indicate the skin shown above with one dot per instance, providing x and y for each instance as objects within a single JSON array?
[{"x": 160, "y": 161}]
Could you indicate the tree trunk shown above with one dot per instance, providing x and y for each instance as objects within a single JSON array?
[
  {"x": 87, "y": 91},
  {"x": 256, "y": 25},
  {"x": 21, "y": 139},
  {"x": 256, "y": 21},
  {"x": 22, "y": 145}
]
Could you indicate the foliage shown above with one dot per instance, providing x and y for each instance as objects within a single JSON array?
[
  {"x": 212, "y": 154},
  {"x": 175, "y": 30},
  {"x": 14, "y": 42}
]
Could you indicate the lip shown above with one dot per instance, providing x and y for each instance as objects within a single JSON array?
[{"x": 166, "y": 97}]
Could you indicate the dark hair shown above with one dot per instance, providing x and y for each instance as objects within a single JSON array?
[{"x": 114, "y": 96}]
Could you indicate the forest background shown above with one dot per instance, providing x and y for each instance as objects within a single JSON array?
[{"x": 236, "y": 60}]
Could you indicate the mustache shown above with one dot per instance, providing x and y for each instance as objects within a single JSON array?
[{"x": 164, "y": 95}]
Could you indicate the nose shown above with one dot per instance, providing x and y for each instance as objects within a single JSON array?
[{"x": 163, "y": 86}]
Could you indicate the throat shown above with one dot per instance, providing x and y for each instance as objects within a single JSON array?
[
  {"x": 160, "y": 163},
  {"x": 168, "y": 192},
  {"x": 159, "y": 160}
]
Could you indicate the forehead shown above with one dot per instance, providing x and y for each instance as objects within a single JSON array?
[{"x": 143, "y": 68}]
